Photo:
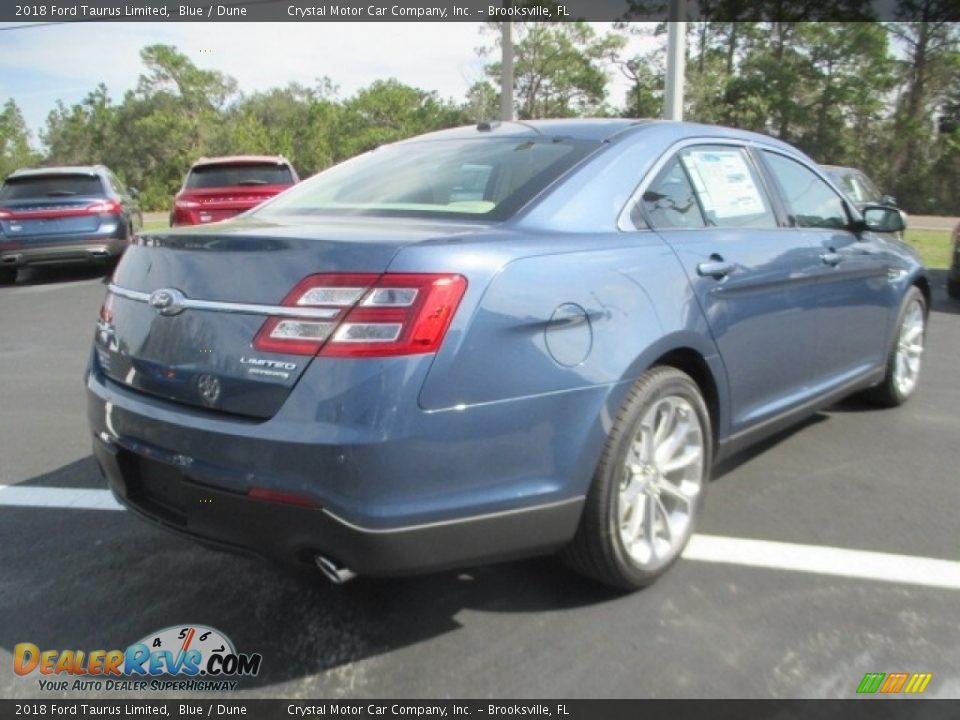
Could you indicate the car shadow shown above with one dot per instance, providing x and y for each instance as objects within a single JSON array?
[
  {"x": 941, "y": 302},
  {"x": 59, "y": 274},
  {"x": 102, "y": 579},
  {"x": 747, "y": 455}
]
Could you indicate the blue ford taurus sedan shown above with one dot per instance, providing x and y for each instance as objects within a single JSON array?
[{"x": 494, "y": 342}]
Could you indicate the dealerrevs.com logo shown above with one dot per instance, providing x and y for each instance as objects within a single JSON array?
[{"x": 181, "y": 657}]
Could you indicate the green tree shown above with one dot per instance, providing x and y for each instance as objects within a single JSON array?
[
  {"x": 930, "y": 42},
  {"x": 15, "y": 150},
  {"x": 83, "y": 134},
  {"x": 560, "y": 69},
  {"x": 300, "y": 123},
  {"x": 388, "y": 110}
]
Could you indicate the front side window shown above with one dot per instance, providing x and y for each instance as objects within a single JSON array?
[
  {"x": 868, "y": 189},
  {"x": 810, "y": 201},
  {"x": 488, "y": 178}
]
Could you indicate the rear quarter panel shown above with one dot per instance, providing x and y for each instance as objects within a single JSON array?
[{"x": 554, "y": 338}]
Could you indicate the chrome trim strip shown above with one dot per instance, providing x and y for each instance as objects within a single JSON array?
[
  {"x": 456, "y": 521},
  {"x": 236, "y": 308}
]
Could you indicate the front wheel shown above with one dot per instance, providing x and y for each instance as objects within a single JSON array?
[
  {"x": 8, "y": 276},
  {"x": 648, "y": 488},
  {"x": 903, "y": 363}
]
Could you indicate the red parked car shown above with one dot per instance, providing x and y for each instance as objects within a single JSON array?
[{"x": 219, "y": 188}]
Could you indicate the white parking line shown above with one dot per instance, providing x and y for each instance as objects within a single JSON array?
[
  {"x": 70, "y": 498},
  {"x": 816, "y": 559},
  {"x": 884, "y": 567}
]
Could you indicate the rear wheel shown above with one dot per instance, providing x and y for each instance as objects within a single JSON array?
[
  {"x": 903, "y": 363},
  {"x": 648, "y": 488},
  {"x": 8, "y": 276}
]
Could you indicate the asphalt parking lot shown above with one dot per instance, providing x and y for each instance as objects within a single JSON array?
[{"x": 853, "y": 477}]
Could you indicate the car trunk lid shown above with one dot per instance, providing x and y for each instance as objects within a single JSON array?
[
  {"x": 226, "y": 281},
  {"x": 220, "y": 203}
]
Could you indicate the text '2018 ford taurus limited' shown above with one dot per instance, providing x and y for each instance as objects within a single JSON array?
[{"x": 495, "y": 342}]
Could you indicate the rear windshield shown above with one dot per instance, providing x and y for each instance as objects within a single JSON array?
[
  {"x": 39, "y": 186},
  {"x": 214, "y": 176},
  {"x": 488, "y": 178}
]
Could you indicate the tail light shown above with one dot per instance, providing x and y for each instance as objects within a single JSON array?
[
  {"x": 101, "y": 207},
  {"x": 186, "y": 204},
  {"x": 107, "y": 207},
  {"x": 106, "y": 310},
  {"x": 367, "y": 315}
]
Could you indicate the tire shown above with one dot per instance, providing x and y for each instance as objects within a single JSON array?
[
  {"x": 904, "y": 360},
  {"x": 953, "y": 289},
  {"x": 8, "y": 276},
  {"x": 613, "y": 541}
]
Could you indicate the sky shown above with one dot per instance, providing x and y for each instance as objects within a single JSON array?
[{"x": 41, "y": 64}]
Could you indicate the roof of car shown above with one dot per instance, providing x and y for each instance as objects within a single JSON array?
[
  {"x": 59, "y": 170},
  {"x": 601, "y": 130},
  {"x": 597, "y": 129},
  {"x": 241, "y": 160},
  {"x": 841, "y": 168}
]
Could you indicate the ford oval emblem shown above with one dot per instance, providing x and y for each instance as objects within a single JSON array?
[
  {"x": 167, "y": 301},
  {"x": 209, "y": 388}
]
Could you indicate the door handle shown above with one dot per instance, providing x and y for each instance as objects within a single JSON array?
[
  {"x": 831, "y": 258},
  {"x": 716, "y": 267}
]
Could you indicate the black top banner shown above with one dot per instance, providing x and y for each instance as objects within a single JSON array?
[{"x": 44, "y": 11}]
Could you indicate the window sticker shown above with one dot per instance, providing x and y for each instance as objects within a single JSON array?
[{"x": 724, "y": 182}]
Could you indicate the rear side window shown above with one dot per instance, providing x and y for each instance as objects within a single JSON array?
[
  {"x": 669, "y": 200},
  {"x": 811, "y": 202},
  {"x": 41, "y": 186},
  {"x": 213, "y": 176}
]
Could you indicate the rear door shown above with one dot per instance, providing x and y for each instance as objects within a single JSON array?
[
  {"x": 854, "y": 295},
  {"x": 755, "y": 280}
]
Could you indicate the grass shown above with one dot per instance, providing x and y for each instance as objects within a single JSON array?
[
  {"x": 155, "y": 225},
  {"x": 933, "y": 245}
]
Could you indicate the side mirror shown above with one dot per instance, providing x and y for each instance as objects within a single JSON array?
[
  {"x": 133, "y": 192},
  {"x": 888, "y": 200},
  {"x": 883, "y": 218}
]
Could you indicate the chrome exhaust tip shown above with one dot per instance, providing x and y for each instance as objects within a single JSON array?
[{"x": 334, "y": 572}]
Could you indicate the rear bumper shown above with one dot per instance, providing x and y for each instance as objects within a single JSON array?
[
  {"x": 57, "y": 249},
  {"x": 234, "y": 522},
  {"x": 395, "y": 491}
]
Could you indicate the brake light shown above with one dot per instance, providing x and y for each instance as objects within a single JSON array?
[
  {"x": 106, "y": 207},
  {"x": 101, "y": 207},
  {"x": 106, "y": 310},
  {"x": 367, "y": 315},
  {"x": 186, "y": 204}
]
